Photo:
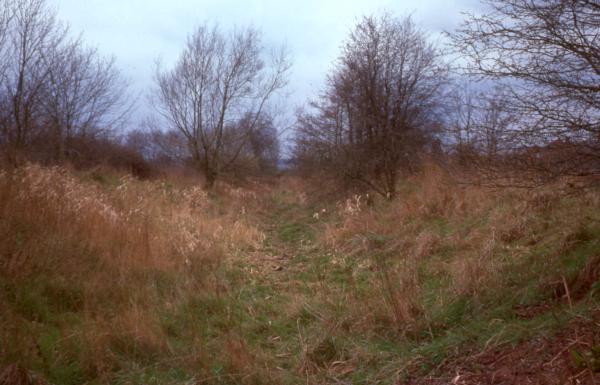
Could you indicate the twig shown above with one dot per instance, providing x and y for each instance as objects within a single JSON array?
[
  {"x": 567, "y": 292},
  {"x": 561, "y": 352},
  {"x": 578, "y": 375}
]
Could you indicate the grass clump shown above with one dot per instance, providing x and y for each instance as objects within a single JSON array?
[{"x": 115, "y": 280}]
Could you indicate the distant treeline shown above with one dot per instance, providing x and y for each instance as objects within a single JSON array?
[{"x": 514, "y": 96}]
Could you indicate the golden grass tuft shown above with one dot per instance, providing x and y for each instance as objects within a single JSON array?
[
  {"x": 125, "y": 250},
  {"x": 466, "y": 235},
  {"x": 110, "y": 279}
]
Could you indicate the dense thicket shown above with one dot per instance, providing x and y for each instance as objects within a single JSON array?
[
  {"x": 380, "y": 106},
  {"x": 524, "y": 108},
  {"x": 217, "y": 95},
  {"x": 54, "y": 91},
  {"x": 546, "y": 54}
]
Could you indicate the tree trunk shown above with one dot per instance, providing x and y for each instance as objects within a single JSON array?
[
  {"x": 390, "y": 183},
  {"x": 210, "y": 176}
]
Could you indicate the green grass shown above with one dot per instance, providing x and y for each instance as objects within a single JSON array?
[{"x": 298, "y": 323}]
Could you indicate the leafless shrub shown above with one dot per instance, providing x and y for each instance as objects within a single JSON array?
[
  {"x": 379, "y": 107},
  {"x": 52, "y": 89},
  {"x": 220, "y": 81},
  {"x": 32, "y": 31},
  {"x": 547, "y": 55},
  {"x": 84, "y": 96}
]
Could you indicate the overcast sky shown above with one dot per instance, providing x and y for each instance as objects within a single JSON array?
[{"x": 137, "y": 32}]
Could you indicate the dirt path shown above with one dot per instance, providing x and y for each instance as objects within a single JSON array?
[{"x": 289, "y": 232}]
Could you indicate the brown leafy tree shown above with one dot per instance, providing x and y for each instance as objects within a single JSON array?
[
  {"x": 380, "y": 106},
  {"x": 219, "y": 80}
]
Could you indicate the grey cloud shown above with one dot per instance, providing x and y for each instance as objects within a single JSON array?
[{"x": 139, "y": 31}]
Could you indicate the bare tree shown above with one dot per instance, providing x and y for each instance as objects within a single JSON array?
[
  {"x": 549, "y": 52},
  {"x": 484, "y": 123},
  {"x": 51, "y": 88},
  {"x": 83, "y": 95},
  {"x": 380, "y": 104},
  {"x": 165, "y": 148},
  {"x": 261, "y": 151},
  {"x": 219, "y": 79},
  {"x": 6, "y": 15},
  {"x": 32, "y": 31},
  {"x": 461, "y": 106},
  {"x": 265, "y": 145}
]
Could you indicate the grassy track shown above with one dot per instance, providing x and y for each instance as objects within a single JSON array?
[{"x": 276, "y": 287}]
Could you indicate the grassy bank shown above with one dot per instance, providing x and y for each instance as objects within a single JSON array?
[{"x": 108, "y": 279}]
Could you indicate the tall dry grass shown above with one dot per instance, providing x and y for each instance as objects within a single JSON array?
[
  {"x": 466, "y": 238},
  {"x": 118, "y": 255},
  {"x": 121, "y": 276}
]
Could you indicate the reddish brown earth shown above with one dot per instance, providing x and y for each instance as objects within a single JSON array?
[{"x": 570, "y": 356}]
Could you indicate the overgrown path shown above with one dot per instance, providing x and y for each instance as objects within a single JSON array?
[
  {"x": 279, "y": 280},
  {"x": 298, "y": 291},
  {"x": 289, "y": 228},
  {"x": 147, "y": 282},
  {"x": 303, "y": 288}
]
